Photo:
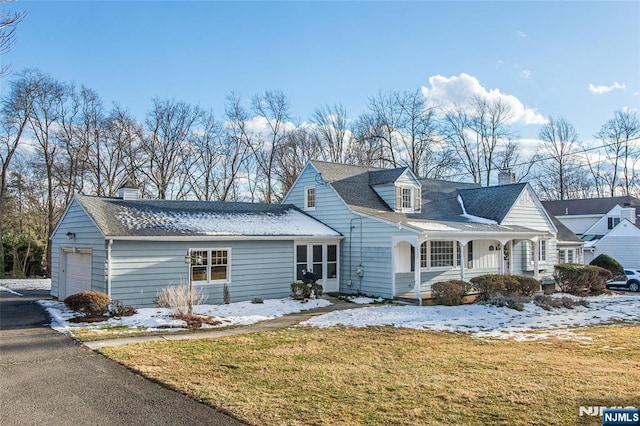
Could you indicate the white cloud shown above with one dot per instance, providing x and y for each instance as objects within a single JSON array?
[
  {"x": 460, "y": 90},
  {"x": 521, "y": 34},
  {"x": 525, "y": 74},
  {"x": 600, "y": 90}
]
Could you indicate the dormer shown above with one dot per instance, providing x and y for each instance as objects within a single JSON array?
[{"x": 399, "y": 188}]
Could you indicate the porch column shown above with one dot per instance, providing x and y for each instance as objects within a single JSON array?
[
  {"x": 510, "y": 257},
  {"x": 461, "y": 250},
  {"x": 416, "y": 277},
  {"x": 536, "y": 256}
]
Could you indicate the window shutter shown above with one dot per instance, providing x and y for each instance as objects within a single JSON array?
[
  {"x": 398, "y": 198},
  {"x": 417, "y": 199}
]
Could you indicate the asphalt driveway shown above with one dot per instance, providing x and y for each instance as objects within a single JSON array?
[{"x": 47, "y": 378}]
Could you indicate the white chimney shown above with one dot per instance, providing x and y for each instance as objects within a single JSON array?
[
  {"x": 506, "y": 177},
  {"x": 628, "y": 213},
  {"x": 129, "y": 191}
]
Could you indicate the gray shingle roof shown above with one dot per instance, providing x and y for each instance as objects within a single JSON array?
[
  {"x": 385, "y": 176},
  {"x": 439, "y": 199},
  {"x": 589, "y": 205},
  {"x": 492, "y": 202},
  {"x": 170, "y": 218},
  {"x": 564, "y": 233}
]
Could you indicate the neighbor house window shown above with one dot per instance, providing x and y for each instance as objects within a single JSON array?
[
  {"x": 612, "y": 222},
  {"x": 470, "y": 254},
  {"x": 310, "y": 197},
  {"x": 210, "y": 265}
]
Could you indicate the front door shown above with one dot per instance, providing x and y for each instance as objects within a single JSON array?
[{"x": 322, "y": 260}]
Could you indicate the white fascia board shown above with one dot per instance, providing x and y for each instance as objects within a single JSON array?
[
  {"x": 309, "y": 164},
  {"x": 227, "y": 238},
  {"x": 75, "y": 199}
]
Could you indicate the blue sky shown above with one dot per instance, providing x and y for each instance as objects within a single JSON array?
[{"x": 543, "y": 55}]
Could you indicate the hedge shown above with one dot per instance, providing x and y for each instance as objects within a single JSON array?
[
  {"x": 581, "y": 280},
  {"x": 449, "y": 293}
]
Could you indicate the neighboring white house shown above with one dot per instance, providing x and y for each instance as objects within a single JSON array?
[
  {"x": 606, "y": 225},
  {"x": 382, "y": 232},
  {"x": 402, "y": 233}
]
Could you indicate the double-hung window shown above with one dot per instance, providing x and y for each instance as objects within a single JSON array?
[
  {"x": 210, "y": 266},
  {"x": 310, "y": 198}
]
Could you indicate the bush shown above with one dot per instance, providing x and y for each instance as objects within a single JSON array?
[
  {"x": 449, "y": 293},
  {"x": 547, "y": 302},
  {"x": 527, "y": 286},
  {"x": 610, "y": 264},
  {"x": 226, "y": 296},
  {"x": 257, "y": 300},
  {"x": 492, "y": 285},
  {"x": 303, "y": 291},
  {"x": 581, "y": 280},
  {"x": 179, "y": 299},
  {"x": 90, "y": 303},
  {"x": 511, "y": 302}
]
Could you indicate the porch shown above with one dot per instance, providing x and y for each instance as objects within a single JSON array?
[{"x": 422, "y": 261}]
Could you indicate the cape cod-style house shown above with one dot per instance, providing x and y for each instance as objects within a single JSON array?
[
  {"x": 402, "y": 234},
  {"x": 381, "y": 232}
]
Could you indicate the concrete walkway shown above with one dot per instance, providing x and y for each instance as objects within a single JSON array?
[{"x": 274, "y": 324}]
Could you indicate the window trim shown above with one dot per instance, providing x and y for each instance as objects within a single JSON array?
[
  {"x": 307, "y": 198},
  {"x": 209, "y": 251},
  {"x": 425, "y": 256}
]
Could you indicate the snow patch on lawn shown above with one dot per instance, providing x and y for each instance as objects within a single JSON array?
[
  {"x": 159, "y": 319},
  {"x": 488, "y": 321},
  {"x": 363, "y": 300}
]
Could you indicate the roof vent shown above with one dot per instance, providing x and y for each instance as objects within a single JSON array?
[{"x": 129, "y": 190}]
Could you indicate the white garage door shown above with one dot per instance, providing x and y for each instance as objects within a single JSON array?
[{"x": 78, "y": 273}]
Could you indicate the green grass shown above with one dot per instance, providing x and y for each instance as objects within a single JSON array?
[{"x": 394, "y": 376}]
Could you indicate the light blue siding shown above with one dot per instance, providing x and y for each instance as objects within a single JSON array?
[
  {"x": 366, "y": 243},
  {"x": 387, "y": 193},
  {"x": 87, "y": 235},
  {"x": 140, "y": 269}
]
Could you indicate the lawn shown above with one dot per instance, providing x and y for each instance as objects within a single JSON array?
[{"x": 385, "y": 375}]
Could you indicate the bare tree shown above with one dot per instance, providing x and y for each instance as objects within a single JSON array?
[
  {"x": 16, "y": 109},
  {"x": 169, "y": 124},
  {"x": 118, "y": 151},
  {"x": 458, "y": 131},
  {"x": 619, "y": 138},
  {"x": 8, "y": 23},
  {"x": 301, "y": 146},
  {"x": 332, "y": 131},
  {"x": 561, "y": 171},
  {"x": 273, "y": 108}
]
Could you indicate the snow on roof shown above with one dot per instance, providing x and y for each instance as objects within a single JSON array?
[
  {"x": 169, "y": 218},
  {"x": 472, "y": 218},
  {"x": 291, "y": 222}
]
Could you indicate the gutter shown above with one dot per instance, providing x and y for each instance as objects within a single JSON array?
[{"x": 109, "y": 244}]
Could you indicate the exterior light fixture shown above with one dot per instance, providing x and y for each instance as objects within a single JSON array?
[{"x": 71, "y": 236}]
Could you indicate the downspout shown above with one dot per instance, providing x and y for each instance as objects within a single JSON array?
[{"x": 109, "y": 244}]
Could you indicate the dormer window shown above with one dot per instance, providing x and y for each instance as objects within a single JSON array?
[
  {"x": 408, "y": 199},
  {"x": 310, "y": 198}
]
